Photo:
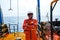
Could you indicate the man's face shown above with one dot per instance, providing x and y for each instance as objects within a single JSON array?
[{"x": 30, "y": 16}]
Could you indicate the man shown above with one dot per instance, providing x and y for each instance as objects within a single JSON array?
[
  {"x": 56, "y": 35},
  {"x": 30, "y": 27}
]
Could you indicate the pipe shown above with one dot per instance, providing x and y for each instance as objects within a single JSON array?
[
  {"x": 51, "y": 16},
  {"x": 38, "y": 1}
]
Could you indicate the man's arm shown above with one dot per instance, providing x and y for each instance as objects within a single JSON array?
[
  {"x": 36, "y": 24},
  {"x": 24, "y": 24}
]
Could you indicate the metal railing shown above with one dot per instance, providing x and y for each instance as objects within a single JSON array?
[{"x": 13, "y": 27}]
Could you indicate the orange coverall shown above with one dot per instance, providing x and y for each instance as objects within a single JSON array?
[
  {"x": 30, "y": 29},
  {"x": 56, "y": 37}
]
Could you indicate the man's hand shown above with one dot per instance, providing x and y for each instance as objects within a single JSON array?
[{"x": 25, "y": 28}]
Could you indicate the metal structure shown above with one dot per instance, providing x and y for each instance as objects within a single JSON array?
[
  {"x": 14, "y": 29},
  {"x": 1, "y": 16},
  {"x": 39, "y": 18},
  {"x": 51, "y": 17}
]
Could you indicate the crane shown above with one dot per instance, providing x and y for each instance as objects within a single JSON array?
[{"x": 51, "y": 18}]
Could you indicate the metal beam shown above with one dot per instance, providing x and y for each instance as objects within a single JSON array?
[
  {"x": 1, "y": 16},
  {"x": 39, "y": 18}
]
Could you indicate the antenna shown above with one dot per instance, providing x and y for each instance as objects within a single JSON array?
[{"x": 47, "y": 17}]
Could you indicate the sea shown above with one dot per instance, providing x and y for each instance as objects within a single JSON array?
[
  {"x": 13, "y": 22},
  {"x": 18, "y": 21}
]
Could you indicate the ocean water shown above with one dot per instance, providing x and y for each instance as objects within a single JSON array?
[{"x": 14, "y": 20}]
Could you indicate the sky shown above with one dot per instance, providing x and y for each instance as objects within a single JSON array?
[{"x": 25, "y": 6}]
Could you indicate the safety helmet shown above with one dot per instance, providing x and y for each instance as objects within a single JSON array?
[{"x": 30, "y": 13}]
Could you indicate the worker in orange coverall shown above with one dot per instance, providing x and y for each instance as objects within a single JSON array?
[
  {"x": 56, "y": 35},
  {"x": 30, "y": 27}
]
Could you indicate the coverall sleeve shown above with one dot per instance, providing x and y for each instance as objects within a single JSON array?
[
  {"x": 36, "y": 24},
  {"x": 25, "y": 24}
]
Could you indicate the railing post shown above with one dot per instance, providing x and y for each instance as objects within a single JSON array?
[{"x": 9, "y": 29}]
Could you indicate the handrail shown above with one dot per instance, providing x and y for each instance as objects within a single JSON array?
[{"x": 14, "y": 25}]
